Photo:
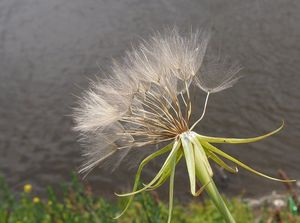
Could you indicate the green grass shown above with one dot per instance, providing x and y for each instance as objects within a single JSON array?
[{"x": 76, "y": 204}]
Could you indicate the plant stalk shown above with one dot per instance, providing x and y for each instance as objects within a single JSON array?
[{"x": 203, "y": 175}]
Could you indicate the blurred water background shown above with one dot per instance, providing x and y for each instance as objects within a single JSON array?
[{"x": 49, "y": 49}]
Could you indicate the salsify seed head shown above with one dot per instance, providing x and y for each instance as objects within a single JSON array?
[{"x": 146, "y": 99}]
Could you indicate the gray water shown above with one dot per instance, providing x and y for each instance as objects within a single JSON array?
[{"x": 49, "y": 49}]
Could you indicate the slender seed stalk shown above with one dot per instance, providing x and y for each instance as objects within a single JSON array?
[{"x": 203, "y": 112}]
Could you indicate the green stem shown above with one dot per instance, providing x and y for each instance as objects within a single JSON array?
[{"x": 211, "y": 189}]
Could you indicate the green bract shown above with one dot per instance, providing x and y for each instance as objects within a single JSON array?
[{"x": 197, "y": 150}]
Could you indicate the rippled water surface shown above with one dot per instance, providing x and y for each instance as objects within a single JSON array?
[{"x": 49, "y": 49}]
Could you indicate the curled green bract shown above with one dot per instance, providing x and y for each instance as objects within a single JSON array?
[{"x": 196, "y": 150}]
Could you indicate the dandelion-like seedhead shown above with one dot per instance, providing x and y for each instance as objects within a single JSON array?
[
  {"x": 146, "y": 101},
  {"x": 146, "y": 98}
]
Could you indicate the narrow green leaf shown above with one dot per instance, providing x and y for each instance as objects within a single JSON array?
[
  {"x": 190, "y": 161},
  {"x": 138, "y": 174},
  {"x": 235, "y": 140},
  {"x": 225, "y": 155},
  {"x": 165, "y": 175},
  {"x": 172, "y": 154},
  {"x": 220, "y": 162},
  {"x": 203, "y": 154},
  {"x": 171, "y": 189}
]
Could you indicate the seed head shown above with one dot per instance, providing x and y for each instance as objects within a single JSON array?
[{"x": 145, "y": 100}]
